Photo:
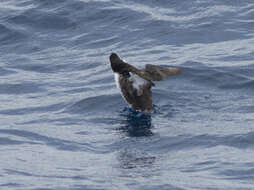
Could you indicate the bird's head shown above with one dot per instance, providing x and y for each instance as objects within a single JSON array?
[{"x": 117, "y": 65}]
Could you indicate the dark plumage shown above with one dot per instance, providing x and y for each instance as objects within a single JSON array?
[{"x": 136, "y": 84}]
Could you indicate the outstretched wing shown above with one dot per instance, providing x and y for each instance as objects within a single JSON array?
[
  {"x": 141, "y": 73},
  {"x": 153, "y": 72},
  {"x": 158, "y": 73}
]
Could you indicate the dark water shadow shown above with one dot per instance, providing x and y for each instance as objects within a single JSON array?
[
  {"x": 35, "y": 138},
  {"x": 137, "y": 126},
  {"x": 135, "y": 159},
  {"x": 136, "y": 123}
]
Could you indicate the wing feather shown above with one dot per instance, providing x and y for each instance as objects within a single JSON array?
[{"x": 158, "y": 73}]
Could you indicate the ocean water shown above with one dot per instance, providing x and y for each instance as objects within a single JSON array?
[{"x": 65, "y": 126}]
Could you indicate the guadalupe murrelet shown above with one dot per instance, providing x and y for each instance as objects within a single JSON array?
[{"x": 136, "y": 84}]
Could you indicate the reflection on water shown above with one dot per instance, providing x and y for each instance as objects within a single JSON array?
[
  {"x": 135, "y": 123},
  {"x": 131, "y": 159}
]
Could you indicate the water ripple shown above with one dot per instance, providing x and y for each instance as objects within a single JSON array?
[{"x": 64, "y": 124}]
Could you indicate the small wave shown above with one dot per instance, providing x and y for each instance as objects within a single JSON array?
[
  {"x": 41, "y": 67},
  {"x": 32, "y": 174},
  {"x": 10, "y": 35},
  {"x": 7, "y": 141},
  {"x": 35, "y": 109},
  {"x": 165, "y": 144},
  {"x": 4, "y": 71},
  {"x": 22, "y": 88},
  {"x": 220, "y": 77},
  {"x": 39, "y": 19},
  {"x": 240, "y": 173},
  {"x": 35, "y": 138},
  {"x": 96, "y": 104},
  {"x": 11, "y": 185}
]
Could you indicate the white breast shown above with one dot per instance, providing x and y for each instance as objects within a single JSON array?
[
  {"x": 137, "y": 81},
  {"x": 116, "y": 75}
]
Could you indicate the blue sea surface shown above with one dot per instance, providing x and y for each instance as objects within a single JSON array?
[{"x": 65, "y": 126}]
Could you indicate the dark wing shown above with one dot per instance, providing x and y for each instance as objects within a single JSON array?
[
  {"x": 141, "y": 73},
  {"x": 158, "y": 73},
  {"x": 153, "y": 72}
]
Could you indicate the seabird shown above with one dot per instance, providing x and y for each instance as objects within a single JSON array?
[{"x": 136, "y": 84}]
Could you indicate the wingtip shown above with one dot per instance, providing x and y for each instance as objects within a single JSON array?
[{"x": 178, "y": 71}]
